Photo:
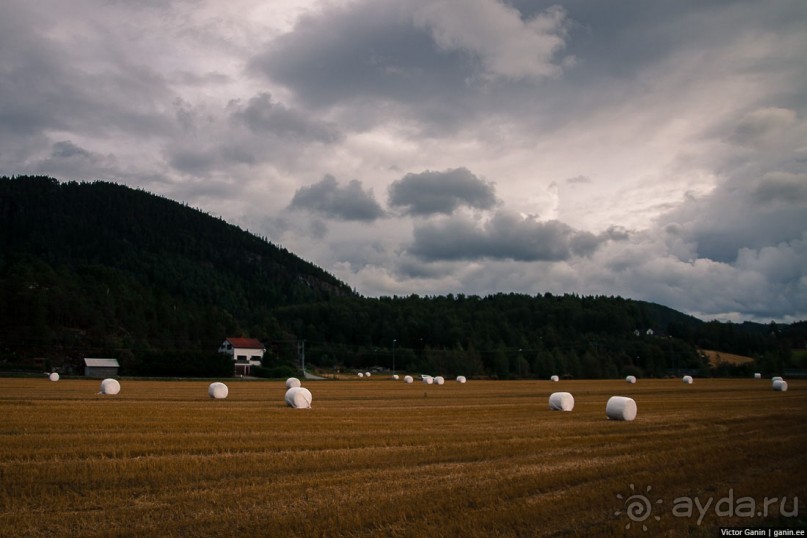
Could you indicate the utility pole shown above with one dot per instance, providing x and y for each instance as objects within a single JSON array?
[
  {"x": 393, "y": 356},
  {"x": 301, "y": 353}
]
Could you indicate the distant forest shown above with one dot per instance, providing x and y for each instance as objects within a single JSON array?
[{"x": 102, "y": 270}]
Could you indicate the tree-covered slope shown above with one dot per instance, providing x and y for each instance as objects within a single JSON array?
[{"x": 99, "y": 265}]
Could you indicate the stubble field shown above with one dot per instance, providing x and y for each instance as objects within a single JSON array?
[{"x": 383, "y": 458}]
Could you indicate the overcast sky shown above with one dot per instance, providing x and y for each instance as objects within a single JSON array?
[{"x": 654, "y": 150}]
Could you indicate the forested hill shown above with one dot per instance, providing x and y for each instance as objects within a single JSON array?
[
  {"x": 99, "y": 269},
  {"x": 104, "y": 265}
]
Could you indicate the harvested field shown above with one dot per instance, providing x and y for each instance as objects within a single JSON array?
[{"x": 384, "y": 458}]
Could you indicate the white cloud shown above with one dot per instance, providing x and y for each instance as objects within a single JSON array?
[{"x": 506, "y": 44}]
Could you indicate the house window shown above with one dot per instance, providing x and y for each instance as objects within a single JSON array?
[
  {"x": 242, "y": 357},
  {"x": 255, "y": 358}
]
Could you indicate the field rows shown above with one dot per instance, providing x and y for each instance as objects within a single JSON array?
[{"x": 380, "y": 458}]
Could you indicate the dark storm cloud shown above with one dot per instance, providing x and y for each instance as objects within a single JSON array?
[
  {"x": 67, "y": 149},
  {"x": 762, "y": 127},
  {"x": 762, "y": 201},
  {"x": 28, "y": 96},
  {"x": 783, "y": 187},
  {"x": 263, "y": 116},
  {"x": 68, "y": 160},
  {"x": 439, "y": 64},
  {"x": 723, "y": 241},
  {"x": 42, "y": 86},
  {"x": 429, "y": 193},
  {"x": 364, "y": 50},
  {"x": 328, "y": 198},
  {"x": 743, "y": 214},
  {"x": 192, "y": 161},
  {"x": 505, "y": 236}
]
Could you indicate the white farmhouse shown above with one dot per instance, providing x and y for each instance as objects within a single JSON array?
[{"x": 245, "y": 352}]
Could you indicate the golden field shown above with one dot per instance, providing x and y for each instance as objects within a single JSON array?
[
  {"x": 717, "y": 357},
  {"x": 376, "y": 457}
]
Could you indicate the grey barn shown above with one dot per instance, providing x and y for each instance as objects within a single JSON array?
[{"x": 101, "y": 367}]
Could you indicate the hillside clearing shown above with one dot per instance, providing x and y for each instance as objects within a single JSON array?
[{"x": 717, "y": 357}]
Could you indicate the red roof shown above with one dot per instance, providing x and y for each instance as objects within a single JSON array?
[{"x": 246, "y": 343}]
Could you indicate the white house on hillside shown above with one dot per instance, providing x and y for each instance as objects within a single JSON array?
[{"x": 245, "y": 352}]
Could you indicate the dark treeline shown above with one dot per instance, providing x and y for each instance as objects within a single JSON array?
[
  {"x": 516, "y": 335},
  {"x": 98, "y": 269}
]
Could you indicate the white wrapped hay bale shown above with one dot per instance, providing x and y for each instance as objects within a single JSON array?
[
  {"x": 367, "y": 374},
  {"x": 776, "y": 378},
  {"x": 561, "y": 401},
  {"x": 687, "y": 379},
  {"x": 361, "y": 374},
  {"x": 554, "y": 379},
  {"x": 631, "y": 379},
  {"x": 298, "y": 398},
  {"x": 109, "y": 386},
  {"x": 218, "y": 390},
  {"x": 620, "y": 408},
  {"x": 461, "y": 379},
  {"x": 395, "y": 377},
  {"x": 292, "y": 382},
  {"x": 429, "y": 380},
  {"x": 54, "y": 376},
  {"x": 780, "y": 385},
  {"x": 757, "y": 376},
  {"x": 439, "y": 380},
  {"x": 409, "y": 379}
]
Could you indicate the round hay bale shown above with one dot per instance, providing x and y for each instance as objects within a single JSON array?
[
  {"x": 461, "y": 379},
  {"x": 780, "y": 385},
  {"x": 554, "y": 379},
  {"x": 561, "y": 401},
  {"x": 429, "y": 380},
  {"x": 774, "y": 379},
  {"x": 439, "y": 380},
  {"x": 395, "y": 377},
  {"x": 109, "y": 386},
  {"x": 54, "y": 376},
  {"x": 361, "y": 374},
  {"x": 292, "y": 382},
  {"x": 687, "y": 379},
  {"x": 757, "y": 376},
  {"x": 298, "y": 398},
  {"x": 631, "y": 379},
  {"x": 367, "y": 374},
  {"x": 218, "y": 390},
  {"x": 409, "y": 379},
  {"x": 620, "y": 408}
]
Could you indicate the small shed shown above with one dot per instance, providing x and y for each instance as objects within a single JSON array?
[{"x": 101, "y": 368}]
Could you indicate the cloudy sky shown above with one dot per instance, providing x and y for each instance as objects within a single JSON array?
[{"x": 650, "y": 149}]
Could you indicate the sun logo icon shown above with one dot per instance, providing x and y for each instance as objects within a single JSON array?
[{"x": 637, "y": 507}]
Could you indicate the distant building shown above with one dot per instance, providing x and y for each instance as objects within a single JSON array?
[
  {"x": 101, "y": 367},
  {"x": 245, "y": 352},
  {"x": 648, "y": 332}
]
